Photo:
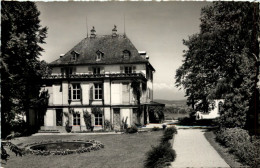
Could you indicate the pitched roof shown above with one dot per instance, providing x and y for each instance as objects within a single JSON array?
[{"x": 111, "y": 48}]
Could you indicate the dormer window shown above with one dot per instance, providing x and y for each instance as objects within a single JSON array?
[
  {"x": 74, "y": 56},
  {"x": 99, "y": 55},
  {"x": 126, "y": 54}
]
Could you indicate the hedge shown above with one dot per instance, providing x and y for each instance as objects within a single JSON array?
[
  {"x": 239, "y": 142},
  {"x": 161, "y": 155}
]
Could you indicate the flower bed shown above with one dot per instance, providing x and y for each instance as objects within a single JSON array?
[{"x": 96, "y": 145}]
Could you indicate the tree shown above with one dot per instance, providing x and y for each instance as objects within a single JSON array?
[
  {"x": 221, "y": 61},
  {"x": 20, "y": 65},
  {"x": 136, "y": 85}
]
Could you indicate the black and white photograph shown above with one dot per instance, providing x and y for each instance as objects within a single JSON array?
[{"x": 130, "y": 84}]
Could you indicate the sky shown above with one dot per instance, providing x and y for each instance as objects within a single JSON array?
[{"x": 155, "y": 27}]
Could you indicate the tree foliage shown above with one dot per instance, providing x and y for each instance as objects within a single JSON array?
[
  {"x": 21, "y": 70},
  {"x": 221, "y": 61}
]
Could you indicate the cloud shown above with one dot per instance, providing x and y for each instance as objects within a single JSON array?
[{"x": 167, "y": 91}]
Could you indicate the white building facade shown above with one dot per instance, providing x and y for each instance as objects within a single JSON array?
[{"x": 99, "y": 76}]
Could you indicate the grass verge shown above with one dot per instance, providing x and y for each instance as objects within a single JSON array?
[{"x": 222, "y": 151}]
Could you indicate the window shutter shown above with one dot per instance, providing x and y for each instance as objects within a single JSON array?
[
  {"x": 134, "y": 69},
  {"x": 74, "y": 70},
  {"x": 121, "y": 69},
  {"x": 90, "y": 71},
  {"x": 92, "y": 120},
  {"x": 102, "y": 86},
  {"x": 81, "y": 93},
  {"x": 91, "y": 92},
  {"x": 70, "y": 91},
  {"x": 62, "y": 71},
  {"x": 61, "y": 87},
  {"x": 102, "y": 70}
]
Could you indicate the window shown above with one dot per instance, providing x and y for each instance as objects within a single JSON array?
[
  {"x": 99, "y": 55},
  {"x": 74, "y": 57},
  {"x": 126, "y": 54},
  {"x": 98, "y": 119},
  {"x": 98, "y": 91},
  {"x": 128, "y": 69},
  {"x": 74, "y": 92},
  {"x": 76, "y": 118},
  {"x": 96, "y": 70},
  {"x": 68, "y": 70},
  {"x": 98, "y": 58}
]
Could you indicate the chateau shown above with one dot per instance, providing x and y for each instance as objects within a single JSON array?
[{"x": 105, "y": 76}]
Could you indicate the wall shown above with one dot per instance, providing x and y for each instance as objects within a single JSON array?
[
  {"x": 50, "y": 117},
  {"x": 126, "y": 112},
  {"x": 116, "y": 93},
  {"x": 57, "y": 94},
  {"x": 213, "y": 113}
]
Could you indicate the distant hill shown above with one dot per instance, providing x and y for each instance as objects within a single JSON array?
[{"x": 171, "y": 102}]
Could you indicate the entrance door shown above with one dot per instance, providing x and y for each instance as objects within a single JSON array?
[
  {"x": 116, "y": 119},
  {"x": 59, "y": 115}
]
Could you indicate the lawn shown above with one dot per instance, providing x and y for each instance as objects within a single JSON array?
[{"x": 125, "y": 150}]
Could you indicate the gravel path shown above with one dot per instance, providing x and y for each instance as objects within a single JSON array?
[{"x": 193, "y": 150}]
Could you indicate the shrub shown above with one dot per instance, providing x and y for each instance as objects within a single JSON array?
[
  {"x": 158, "y": 156},
  {"x": 168, "y": 134},
  {"x": 87, "y": 119},
  {"x": 68, "y": 128},
  {"x": 231, "y": 137},
  {"x": 155, "y": 129},
  {"x": 107, "y": 125},
  {"x": 124, "y": 124},
  {"x": 138, "y": 125},
  {"x": 238, "y": 142},
  {"x": 131, "y": 130},
  {"x": 186, "y": 121}
]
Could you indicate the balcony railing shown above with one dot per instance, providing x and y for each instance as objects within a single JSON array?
[{"x": 87, "y": 75}]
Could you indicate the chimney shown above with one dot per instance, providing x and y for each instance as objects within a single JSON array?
[
  {"x": 114, "y": 31},
  {"x": 93, "y": 32},
  {"x": 61, "y": 55}
]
